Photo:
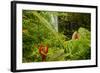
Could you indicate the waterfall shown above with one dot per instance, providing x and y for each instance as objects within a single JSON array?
[{"x": 54, "y": 21}]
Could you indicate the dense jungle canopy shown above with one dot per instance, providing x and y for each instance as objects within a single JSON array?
[{"x": 54, "y": 30}]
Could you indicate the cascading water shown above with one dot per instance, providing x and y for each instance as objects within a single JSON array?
[{"x": 54, "y": 22}]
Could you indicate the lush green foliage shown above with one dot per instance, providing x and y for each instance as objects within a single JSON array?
[{"x": 39, "y": 28}]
